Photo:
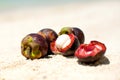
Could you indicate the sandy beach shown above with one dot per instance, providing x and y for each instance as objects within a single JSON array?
[{"x": 98, "y": 20}]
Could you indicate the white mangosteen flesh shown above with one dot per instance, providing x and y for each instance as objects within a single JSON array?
[{"x": 63, "y": 41}]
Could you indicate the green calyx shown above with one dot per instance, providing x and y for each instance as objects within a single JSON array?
[{"x": 65, "y": 30}]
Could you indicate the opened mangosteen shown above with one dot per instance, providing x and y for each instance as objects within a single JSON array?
[
  {"x": 65, "y": 44},
  {"x": 50, "y": 35},
  {"x": 34, "y": 46},
  {"x": 90, "y": 52},
  {"x": 76, "y": 31}
]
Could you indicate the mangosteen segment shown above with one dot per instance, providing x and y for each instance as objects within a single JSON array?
[{"x": 64, "y": 42}]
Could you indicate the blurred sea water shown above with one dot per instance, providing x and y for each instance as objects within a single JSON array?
[
  {"x": 6, "y": 5},
  {"x": 12, "y": 4}
]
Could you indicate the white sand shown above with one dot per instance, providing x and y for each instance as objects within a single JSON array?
[{"x": 99, "y": 21}]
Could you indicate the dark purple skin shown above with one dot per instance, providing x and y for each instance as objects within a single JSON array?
[
  {"x": 76, "y": 31},
  {"x": 34, "y": 46},
  {"x": 71, "y": 51},
  {"x": 79, "y": 33},
  {"x": 50, "y": 35}
]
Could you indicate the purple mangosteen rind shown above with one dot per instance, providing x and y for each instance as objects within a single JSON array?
[
  {"x": 79, "y": 33},
  {"x": 71, "y": 50},
  {"x": 92, "y": 59},
  {"x": 34, "y": 46},
  {"x": 50, "y": 35}
]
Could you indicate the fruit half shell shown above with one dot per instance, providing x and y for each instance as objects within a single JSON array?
[{"x": 90, "y": 52}]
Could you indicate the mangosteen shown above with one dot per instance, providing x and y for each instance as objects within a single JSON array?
[
  {"x": 50, "y": 35},
  {"x": 34, "y": 46},
  {"x": 90, "y": 52},
  {"x": 76, "y": 31},
  {"x": 65, "y": 44}
]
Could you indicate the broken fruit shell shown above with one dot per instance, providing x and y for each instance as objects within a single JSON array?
[
  {"x": 65, "y": 44},
  {"x": 34, "y": 46},
  {"x": 90, "y": 52}
]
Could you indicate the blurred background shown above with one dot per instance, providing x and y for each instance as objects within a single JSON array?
[
  {"x": 12, "y": 4},
  {"x": 21, "y": 17}
]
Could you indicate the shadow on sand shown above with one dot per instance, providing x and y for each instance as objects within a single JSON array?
[{"x": 103, "y": 61}]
